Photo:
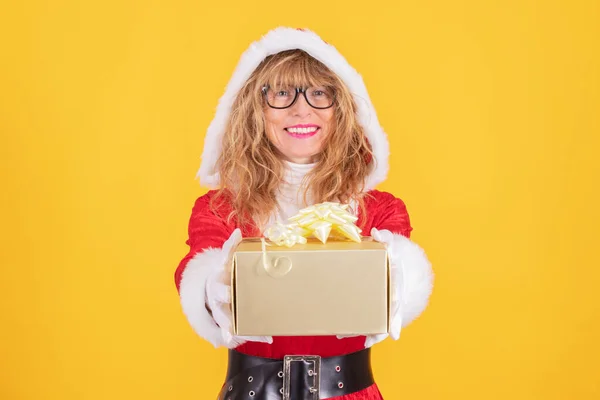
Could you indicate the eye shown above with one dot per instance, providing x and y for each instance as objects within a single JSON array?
[
  {"x": 320, "y": 92},
  {"x": 281, "y": 93}
]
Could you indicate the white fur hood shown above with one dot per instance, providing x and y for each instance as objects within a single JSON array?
[{"x": 275, "y": 41}]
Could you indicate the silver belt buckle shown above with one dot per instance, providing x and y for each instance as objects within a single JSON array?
[{"x": 314, "y": 372}]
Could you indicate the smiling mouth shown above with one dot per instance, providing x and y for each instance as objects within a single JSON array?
[{"x": 302, "y": 132}]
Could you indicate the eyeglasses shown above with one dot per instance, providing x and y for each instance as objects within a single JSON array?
[{"x": 319, "y": 97}]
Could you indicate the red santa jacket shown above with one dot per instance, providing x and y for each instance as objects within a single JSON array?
[{"x": 208, "y": 229}]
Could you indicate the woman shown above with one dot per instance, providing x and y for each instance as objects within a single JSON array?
[{"x": 295, "y": 127}]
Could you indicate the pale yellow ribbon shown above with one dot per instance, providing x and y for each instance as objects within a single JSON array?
[
  {"x": 322, "y": 221},
  {"x": 280, "y": 266}
]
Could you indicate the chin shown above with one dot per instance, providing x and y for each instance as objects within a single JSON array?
[{"x": 299, "y": 158}]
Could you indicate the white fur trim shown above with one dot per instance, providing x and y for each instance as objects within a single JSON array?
[
  {"x": 192, "y": 292},
  {"x": 416, "y": 276},
  {"x": 275, "y": 41}
]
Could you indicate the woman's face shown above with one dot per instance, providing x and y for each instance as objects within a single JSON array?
[{"x": 298, "y": 132}]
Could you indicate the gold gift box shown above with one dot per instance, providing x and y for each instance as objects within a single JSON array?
[{"x": 336, "y": 288}]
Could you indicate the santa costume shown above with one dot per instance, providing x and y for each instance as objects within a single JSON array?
[{"x": 315, "y": 367}]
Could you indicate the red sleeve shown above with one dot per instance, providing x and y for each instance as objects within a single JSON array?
[
  {"x": 389, "y": 212},
  {"x": 205, "y": 230}
]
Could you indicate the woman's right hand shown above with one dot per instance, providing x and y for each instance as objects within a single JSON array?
[{"x": 218, "y": 297}]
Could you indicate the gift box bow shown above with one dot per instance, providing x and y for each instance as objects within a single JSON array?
[{"x": 322, "y": 221}]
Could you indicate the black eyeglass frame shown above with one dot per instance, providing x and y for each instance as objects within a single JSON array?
[{"x": 298, "y": 90}]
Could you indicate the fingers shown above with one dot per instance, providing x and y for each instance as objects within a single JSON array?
[
  {"x": 396, "y": 277},
  {"x": 210, "y": 297},
  {"x": 386, "y": 237},
  {"x": 383, "y": 235},
  {"x": 220, "y": 292},
  {"x": 375, "y": 234},
  {"x": 233, "y": 241},
  {"x": 374, "y": 339},
  {"x": 234, "y": 342},
  {"x": 396, "y": 318},
  {"x": 236, "y": 236},
  {"x": 216, "y": 291},
  {"x": 237, "y": 340},
  {"x": 261, "y": 339},
  {"x": 396, "y": 326},
  {"x": 222, "y": 316},
  {"x": 218, "y": 298},
  {"x": 345, "y": 336}
]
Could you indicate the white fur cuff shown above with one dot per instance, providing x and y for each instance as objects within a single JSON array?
[{"x": 192, "y": 293}]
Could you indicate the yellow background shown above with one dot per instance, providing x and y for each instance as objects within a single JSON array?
[{"x": 492, "y": 113}]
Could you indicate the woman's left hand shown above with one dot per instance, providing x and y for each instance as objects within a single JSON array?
[
  {"x": 386, "y": 237},
  {"x": 411, "y": 281}
]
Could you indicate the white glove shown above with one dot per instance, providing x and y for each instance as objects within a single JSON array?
[
  {"x": 411, "y": 282},
  {"x": 387, "y": 237},
  {"x": 218, "y": 297}
]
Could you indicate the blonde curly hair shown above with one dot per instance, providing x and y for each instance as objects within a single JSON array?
[{"x": 250, "y": 167}]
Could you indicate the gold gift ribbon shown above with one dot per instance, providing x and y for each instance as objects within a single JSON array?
[{"x": 322, "y": 221}]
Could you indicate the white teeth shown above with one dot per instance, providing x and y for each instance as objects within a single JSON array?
[{"x": 302, "y": 131}]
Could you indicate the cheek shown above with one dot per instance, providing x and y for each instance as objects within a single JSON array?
[
  {"x": 270, "y": 125},
  {"x": 273, "y": 120},
  {"x": 273, "y": 128},
  {"x": 328, "y": 119}
]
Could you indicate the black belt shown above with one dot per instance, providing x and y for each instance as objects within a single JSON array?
[{"x": 296, "y": 377}]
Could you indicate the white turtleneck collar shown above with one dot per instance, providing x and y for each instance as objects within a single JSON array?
[
  {"x": 290, "y": 195},
  {"x": 294, "y": 172}
]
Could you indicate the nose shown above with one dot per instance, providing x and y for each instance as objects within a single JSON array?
[{"x": 301, "y": 107}]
